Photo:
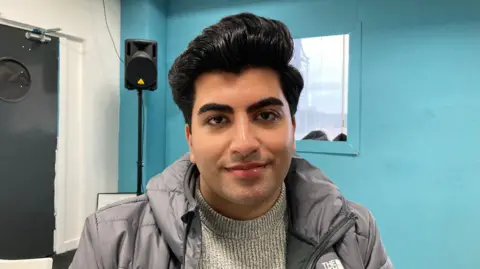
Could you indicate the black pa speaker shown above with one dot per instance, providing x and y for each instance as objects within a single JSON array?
[{"x": 140, "y": 64}]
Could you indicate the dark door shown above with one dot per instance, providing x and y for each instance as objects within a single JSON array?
[{"x": 28, "y": 138}]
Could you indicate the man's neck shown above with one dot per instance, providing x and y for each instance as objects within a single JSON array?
[{"x": 238, "y": 211}]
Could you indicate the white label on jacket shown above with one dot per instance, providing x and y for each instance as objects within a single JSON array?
[{"x": 333, "y": 264}]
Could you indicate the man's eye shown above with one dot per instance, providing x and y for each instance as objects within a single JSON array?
[
  {"x": 267, "y": 116},
  {"x": 217, "y": 120}
]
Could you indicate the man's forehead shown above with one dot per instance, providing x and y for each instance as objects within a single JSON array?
[
  {"x": 236, "y": 92},
  {"x": 239, "y": 99},
  {"x": 254, "y": 74}
]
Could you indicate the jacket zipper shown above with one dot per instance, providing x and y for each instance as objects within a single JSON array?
[
  {"x": 344, "y": 225},
  {"x": 187, "y": 230}
]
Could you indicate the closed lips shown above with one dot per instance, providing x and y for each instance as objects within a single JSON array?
[{"x": 246, "y": 166}]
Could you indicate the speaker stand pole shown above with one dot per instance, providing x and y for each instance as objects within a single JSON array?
[{"x": 140, "y": 143}]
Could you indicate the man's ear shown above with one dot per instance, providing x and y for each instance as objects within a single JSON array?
[{"x": 188, "y": 136}]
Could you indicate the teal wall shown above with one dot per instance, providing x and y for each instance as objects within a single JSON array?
[
  {"x": 418, "y": 168},
  {"x": 142, "y": 19}
]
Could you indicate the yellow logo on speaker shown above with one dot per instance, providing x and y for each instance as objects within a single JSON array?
[{"x": 141, "y": 82}]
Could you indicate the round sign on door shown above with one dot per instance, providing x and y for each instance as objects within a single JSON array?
[{"x": 15, "y": 80}]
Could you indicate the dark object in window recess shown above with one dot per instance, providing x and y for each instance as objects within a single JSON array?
[
  {"x": 341, "y": 137},
  {"x": 316, "y": 135}
]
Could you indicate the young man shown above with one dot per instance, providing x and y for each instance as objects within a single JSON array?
[{"x": 241, "y": 198}]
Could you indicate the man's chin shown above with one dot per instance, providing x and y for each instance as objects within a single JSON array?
[{"x": 249, "y": 195}]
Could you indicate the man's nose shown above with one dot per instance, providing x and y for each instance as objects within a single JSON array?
[{"x": 244, "y": 140}]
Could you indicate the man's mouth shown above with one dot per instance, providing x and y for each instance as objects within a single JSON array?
[
  {"x": 247, "y": 166},
  {"x": 250, "y": 170}
]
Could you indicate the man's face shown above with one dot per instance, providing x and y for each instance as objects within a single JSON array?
[{"x": 241, "y": 136}]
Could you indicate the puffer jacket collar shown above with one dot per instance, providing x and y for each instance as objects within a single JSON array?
[{"x": 317, "y": 211}]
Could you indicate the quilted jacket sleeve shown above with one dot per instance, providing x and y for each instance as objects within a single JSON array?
[
  {"x": 370, "y": 246},
  {"x": 85, "y": 256},
  {"x": 377, "y": 257}
]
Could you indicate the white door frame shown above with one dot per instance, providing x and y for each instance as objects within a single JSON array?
[{"x": 69, "y": 165}]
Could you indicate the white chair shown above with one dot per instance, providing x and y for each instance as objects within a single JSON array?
[{"x": 42, "y": 263}]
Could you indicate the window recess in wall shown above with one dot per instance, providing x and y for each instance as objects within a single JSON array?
[{"x": 328, "y": 114}]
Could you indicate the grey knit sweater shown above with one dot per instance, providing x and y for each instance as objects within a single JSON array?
[{"x": 233, "y": 244}]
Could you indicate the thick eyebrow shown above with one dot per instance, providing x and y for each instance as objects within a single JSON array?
[
  {"x": 215, "y": 107},
  {"x": 270, "y": 101}
]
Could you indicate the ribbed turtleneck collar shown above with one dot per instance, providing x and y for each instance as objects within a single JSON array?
[{"x": 242, "y": 229}]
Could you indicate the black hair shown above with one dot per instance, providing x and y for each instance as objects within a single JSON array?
[{"x": 233, "y": 44}]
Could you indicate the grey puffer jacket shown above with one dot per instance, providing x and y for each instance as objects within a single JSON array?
[{"x": 161, "y": 229}]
